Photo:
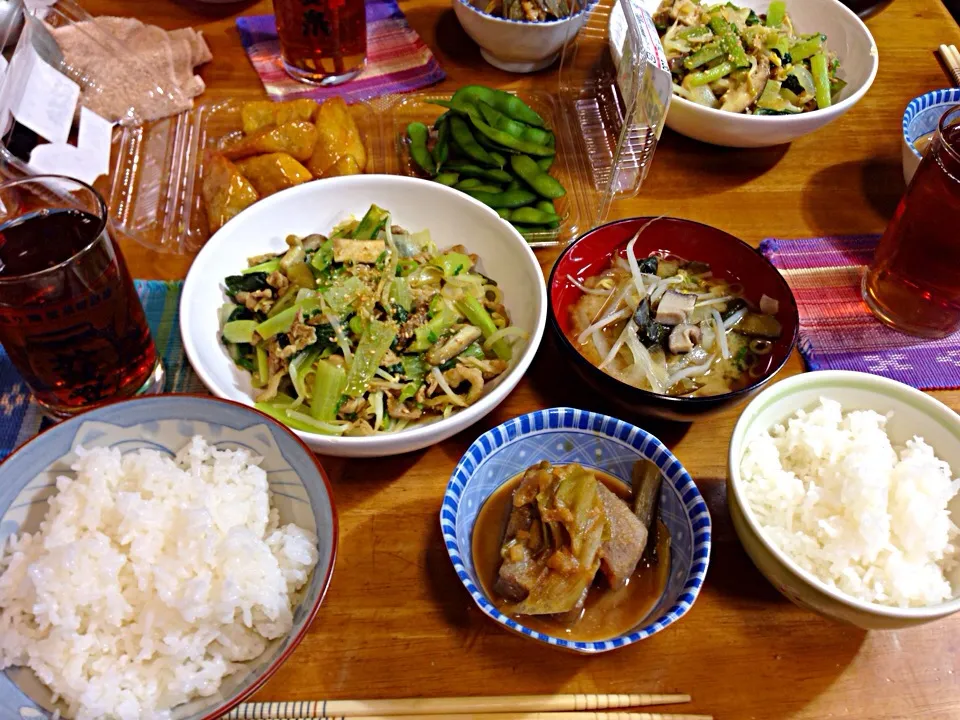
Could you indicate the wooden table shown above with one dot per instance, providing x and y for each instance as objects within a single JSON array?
[{"x": 397, "y": 622}]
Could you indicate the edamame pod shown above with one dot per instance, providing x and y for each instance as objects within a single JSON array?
[
  {"x": 441, "y": 150},
  {"x": 465, "y": 141},
  {"x": 532, "y": 216},
  {"x": 509, "y": 141},
  {"x": 509, "y": 105},
  {"x": 417, "y": 133},
  {"x": 470, "y": 170},
  {"x": 447, "y": 178},
  {"x": 505, "y": 199},
  {"x": 522, "y": 131},
  {"x": 478, "y": 186},
  {"x": 528, "y": 171}
]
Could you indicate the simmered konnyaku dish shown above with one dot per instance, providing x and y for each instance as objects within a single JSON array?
[
  {"x": 668, "y": 325},
  {"x": 368, "y": 330},
  {"x": 561, "y": 544}
]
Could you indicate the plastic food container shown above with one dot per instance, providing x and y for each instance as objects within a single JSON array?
[{"x": 607, "y": 123}]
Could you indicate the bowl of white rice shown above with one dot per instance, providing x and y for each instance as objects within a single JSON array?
[
  {"x": 160, "y": 558},
  {"x": 843, "y": 490}
]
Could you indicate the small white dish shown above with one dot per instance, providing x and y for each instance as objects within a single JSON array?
[
  {"x": 921, "y": 117},
  {"x": 519, "y": 46},
  {"x": 452, "y": 218},
  {"x": 847, "y": 36},
  {"x": 914, "y": 413}
]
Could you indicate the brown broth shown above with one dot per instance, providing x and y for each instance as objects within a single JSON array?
[{"x": 607, "y": 613}]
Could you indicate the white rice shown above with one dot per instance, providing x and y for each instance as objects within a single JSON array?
[
  {"x": 832, "y": 492},
  {"x": 150, "y": 579}
]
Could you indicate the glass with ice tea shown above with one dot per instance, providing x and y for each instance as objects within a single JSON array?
[
  {"x": 322, "y": 42},
  {"x": 913, "y": 284},
  {"x": 70, "y": 319}
]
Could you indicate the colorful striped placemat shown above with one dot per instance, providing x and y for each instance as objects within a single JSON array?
[
  {"x": 397, "y": 58},
  {"x": 838, "y": 331},
  {"x": 21, "y": 419}
]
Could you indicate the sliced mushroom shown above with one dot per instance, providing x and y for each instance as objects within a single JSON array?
[
  {"x": 675, "y": 307},
  {"x": 684, "y": 338},
  {"x": 769, "y": 306},
  {"x": 448, "y": 348}
]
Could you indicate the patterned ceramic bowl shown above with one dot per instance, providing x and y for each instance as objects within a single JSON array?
[
  {"x": 565, "y": 435},
  {"x": 299, "y": 490},
  {"x": 921, "y": 118}
]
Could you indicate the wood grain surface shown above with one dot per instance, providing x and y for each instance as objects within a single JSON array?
[{"x": 397, "y": 622}]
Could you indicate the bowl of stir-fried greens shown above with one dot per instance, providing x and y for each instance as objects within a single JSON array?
[
  {"x": 755, "y": 73},
  {"x": 372, "y": 315}
]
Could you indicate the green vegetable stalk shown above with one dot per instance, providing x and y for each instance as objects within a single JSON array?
[
  {"x": 329, "y": 382},
  {"x": 373, "y": 345},
  {"x": 477, "y": 315}
]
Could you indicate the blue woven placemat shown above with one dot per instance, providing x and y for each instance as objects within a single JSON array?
[{"x": 20, "y": 417}]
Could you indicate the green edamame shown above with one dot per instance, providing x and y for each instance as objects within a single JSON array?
[
  {"x": 447, "y": 178},
  {"x": 463, "y": 138},
  {"x": 475, "y": 171},
  {"x": 522, "y": 131},
  {"x": 515, "y": 184},
  {"x": 469, "y": 183},
  {"x": 548, "y": 206},
  {"x": 504, "y": 213},
  {"x": 505, "y": 199},
  {"x": 532, "y": 216},
  {"x": 509, "y": 105},
  {"x": 478, "y": 187},
  {"x": 418, "y": 134},
  {"x": 545, "y": 163},
  {"x": 508, "y": 141},
  {"x": 528, "y": 171},
  {"x": 441, "y": 150}
]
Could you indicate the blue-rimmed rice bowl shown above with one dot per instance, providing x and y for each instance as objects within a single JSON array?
[
  {"x": 565, "y": 435},
  {"x": 299, "y": 490},
  {"x": 922, "y": 117}
]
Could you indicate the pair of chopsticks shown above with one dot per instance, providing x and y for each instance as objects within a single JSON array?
[
  {"x": 951, "y": 59},
  {"x": 514, "y": 707}
]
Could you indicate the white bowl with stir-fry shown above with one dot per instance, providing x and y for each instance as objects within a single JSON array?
[
  {"x": 756, "y": 73},
  {"x": 576, "y": 529},
  {"x": 373, "y": 315},
  {"x": 670, "y": 317}
]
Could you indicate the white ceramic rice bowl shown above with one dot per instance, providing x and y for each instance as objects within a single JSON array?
[
  {"x": 847, "y": 36},
  {"x": 452, "y": 218}
]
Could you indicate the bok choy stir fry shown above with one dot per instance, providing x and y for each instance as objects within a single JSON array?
[
  {"x": 667, "y": 325},
  {"x": 729, "y": 58},
  {"x": 367, "y": 330}
]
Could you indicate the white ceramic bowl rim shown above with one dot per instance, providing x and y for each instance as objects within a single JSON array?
[
  {"x": 846, "y": 378},
  {"x": 545, "y": 23},
  {"x": 840, "y": 107},
  {"x": 421, "y": 431},
  {"x": 649, "y": 446},
  {"x": 947, "y": 97}
]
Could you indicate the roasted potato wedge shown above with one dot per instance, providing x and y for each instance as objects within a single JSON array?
[
  {"x": 260, "y": 114},
  {"x": 294, "y": 138},
  {"x": 225, "y": 191},
  {"x": 273, "y": 172},
  {"x": 338, "y": 136},
  {"x": 347, "y": 165}
]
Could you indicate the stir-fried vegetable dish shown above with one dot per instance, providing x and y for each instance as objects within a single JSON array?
[
  {"x": 367, "y": 330},
  {"x": 729, "y": 58},
  {"x": 667, "y": 325},
  {"x": 532, "y": 10},
  {"x": 577, "y": 548}
]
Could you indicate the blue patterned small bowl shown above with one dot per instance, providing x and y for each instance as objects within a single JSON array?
[
  {"x": 565, "y": 435},
  {"x": 922, "y": 117},
  {"x": 299, "y": 490}
]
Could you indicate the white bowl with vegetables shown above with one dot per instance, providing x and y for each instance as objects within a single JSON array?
[
  {"x": 374, "y": 315},
  {"x": 762, "y": 73}
]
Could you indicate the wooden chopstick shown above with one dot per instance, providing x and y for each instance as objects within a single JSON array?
[
  {"x": 951, "y": 58},
  {"x": 523, "y": 716},
  {"x": 440, "y": 706}
]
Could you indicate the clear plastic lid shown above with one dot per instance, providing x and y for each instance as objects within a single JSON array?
[{"x": 607, "y": 117}]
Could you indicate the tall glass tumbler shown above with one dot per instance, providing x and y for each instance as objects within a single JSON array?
[
  {"x": 322, "y": 42},
  {"x": 70, "y": 318},
  {"x": 913, "y": 284}
]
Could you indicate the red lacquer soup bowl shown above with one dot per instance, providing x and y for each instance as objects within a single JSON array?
[{"x": 728, "y": 257}]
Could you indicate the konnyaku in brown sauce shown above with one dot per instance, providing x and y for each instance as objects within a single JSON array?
[{"x": 607, "y": 612}]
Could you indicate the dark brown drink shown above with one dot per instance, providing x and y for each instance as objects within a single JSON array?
[
  {"x": 323, "y": 42},
  {"x": 70, "y": 318}
]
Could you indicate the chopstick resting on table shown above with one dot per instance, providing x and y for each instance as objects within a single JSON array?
[
  {"x": 514, "y": 704},
  {"x": 951, "y": 58},
  {"x": 587, "y": 715}
]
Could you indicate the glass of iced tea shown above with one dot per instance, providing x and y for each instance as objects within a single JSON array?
[
  {"x": 913, "y": 284},
  {"x": 70, "y": 319},
  {"x": 322, "y": 42}
]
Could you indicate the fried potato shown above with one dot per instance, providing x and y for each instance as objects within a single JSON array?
[
  {"x": 273, "y": 172},
  {"x": 347, "y": 165},
  {"x": 338, "y": 136},
  {"x": 294, "y": 138},
  {"x": 259, "y": 114},
  {"x": 225, "y": 191}
]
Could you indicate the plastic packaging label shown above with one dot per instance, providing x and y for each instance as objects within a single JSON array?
[{"x": 48, "y": 99}]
